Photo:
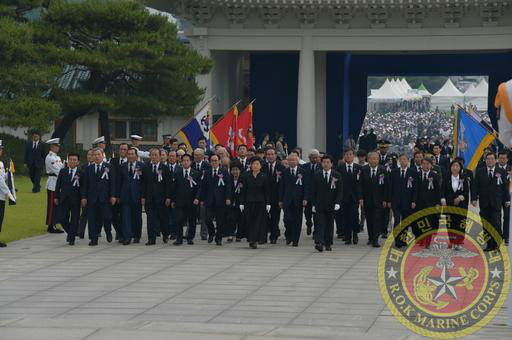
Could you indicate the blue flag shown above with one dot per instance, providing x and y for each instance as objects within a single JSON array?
[
  {"x": 470, "y": 137},
  {"x": 197, "y": 127}
]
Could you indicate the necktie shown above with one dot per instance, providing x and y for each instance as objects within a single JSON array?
[
  {"x": 294, "y": 172},
  {"x": 272, "y": 169},
  {"x": 35, "y": 145},
  {"x": 326, "y": 176},
  {"x": 97, "y": 169},
  {"x": 154, "y": 168},
  {"x": 403, "y": 173},
  {"x": 424, "y": 176},
  {"x": 186, "y": 173},
  {"x": 490, "y": 173},
  {"x": 350, "y": 168},
  {"x": 131, "y": 168},
  {"x": 373, "y": 173},
  {"x": 214, "y": 172}
]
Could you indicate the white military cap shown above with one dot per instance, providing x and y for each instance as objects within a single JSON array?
[
  {"x": 136, "y": 137},
  {"x": 53, "y": 141},
  {"x": 98, "y": 140}
]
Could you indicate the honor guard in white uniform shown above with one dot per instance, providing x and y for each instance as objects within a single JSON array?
[
  {"x": 136, "y": 139},
  {"x": 100, "y": 143},
  {"x": 53, "y": 165},
  {"x": 4, "y": 191}
]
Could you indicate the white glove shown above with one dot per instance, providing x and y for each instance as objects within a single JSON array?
[
  {"x": 313, "y": 209},
  {"x": 241, "y": 208},
  {"x": 336, "y": 207},
  {"x": 268, "y": 208}
]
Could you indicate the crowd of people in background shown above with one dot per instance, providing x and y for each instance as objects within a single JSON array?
[{"x": 240, "y": 194}]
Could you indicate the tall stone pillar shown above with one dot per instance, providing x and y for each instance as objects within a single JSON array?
[{"x": 306, "y": 106}]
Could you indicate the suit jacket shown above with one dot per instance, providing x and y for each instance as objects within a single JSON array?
[
  {"x": 202, "y": 167},
  {"x": 177, "y": 168},
  {"x": 215, "y": 190},
  {"x": 255, "y": 189},
  {"x": 130, "y": 185},
  {"x": 462, "y": 189},
  {"x": 35, "y": 157},
  {"x": 444, "y": 163},
  {"x": 351, "y": 183},
  {"x": 404, "y": 190},
  {"x": 99, "y": 187},
  {"x": 429, "y": 191},
  {"x": 490, "y": 192},
  {"x": 185, "y": 191},
  {"x": 274, "y": 180},
  {"x": 157, "y": 185},
  {"x": 294, "y": 189},
  {"x": 116, "y": 164},
  {"x": 384, "y": 160},
  {"x": 67, "y": 187},
  {"x": 325, "y": 195},
  {"x": 375, "y": 190}
]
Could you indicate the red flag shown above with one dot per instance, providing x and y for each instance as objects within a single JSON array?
[
  {"x": 223, "y": 131},
  {"x": 244, "y": 128}
]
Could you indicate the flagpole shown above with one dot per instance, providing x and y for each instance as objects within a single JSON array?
[{"x": 194, "y": 115}]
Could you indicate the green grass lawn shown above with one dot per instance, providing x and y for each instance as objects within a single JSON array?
[{"x": 28, "y": 217}]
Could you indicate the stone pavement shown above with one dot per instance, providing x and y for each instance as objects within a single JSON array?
[{"x": 49, "y": 290}]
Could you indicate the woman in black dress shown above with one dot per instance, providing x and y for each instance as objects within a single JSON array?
[
  {"x": 234, "y": 216},
  {"x": 456, "y": 193},
  {"x": 255, "y": 203}
]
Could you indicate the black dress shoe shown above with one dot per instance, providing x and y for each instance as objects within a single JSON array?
[
  {"x": 348, "y": 242},
  {"x": 126, "y": 242},
  {"x": 178, "y": 243},
  {"x": 190, "y": 242},
  {"x": 71, "y": 242},
  {"x": 173, "y": 237},
  {"x": 151, "y": 243},
  {"x": 288, "y": 242},
  {"x": 136, "y": 240},
  {"x": 273, "y": 241},
  {"x": 375, "y": 245},
  {"x": 210, "y": 238},
  {"x": 368, "y": 243},
  {"x": 53, "y": 230},
  {"x": 109, "y": 237},
  {"x": 81, "y": 236},
  {"x": 229, "y": 240},
  {"x": 93, "y": 243},
  {"x": 295, "y": 244},
  {"x": 355, "y": 239},
  {"x": 3, "y": 245},
  {"x": 218, "y": 242},
  {"x": 328, "y": 248},
  {"x": 253, "y": 245},
  {"x": 319, "y": 247},
  {"x": 165, "y": 239}
]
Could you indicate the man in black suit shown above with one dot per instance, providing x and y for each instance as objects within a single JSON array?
[
  {"x": 351, "y": 183},
  {"x": 35, "y": 154},
  {"x": 130, "y": 187},
  {"x": 156, "y": 197},
  {"x": 241, "y": 152},
  {"x": 99, "y": 194},
  {"x": 416, "y": 164},
  {"x": 67, "y": 197},
  {"x": 311, "y": 167},
  {"x": 215, "y": 198},
  {"x": 274, "y": 171},
  {"x": 116, "y": 209},
  {"x": 293, "y": 197},
  {"x": 375, "y": 187},
  {"x": 404, "y": 193},
  {"x": 371, "y": 141},
  {"x": 326, "y": 197},
  {"x": 201, "y": 165},
  {"x": 429, "y": 196},
  {"x": 174, "y": 167},
  {"x": 186, "y": 191},
  {"x": 442, "y": 160},
  {"x": 503, "y": 165},
  {"x": 490, "y": 188}
]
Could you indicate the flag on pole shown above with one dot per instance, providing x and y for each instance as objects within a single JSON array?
[
  {"x": 470, "y": 137},
  {"x": 223, "y": 132},
  {"x": 197, "y": 127},
  {"x": 10, "y": 183},
  {"x": 244, "y": 127}
]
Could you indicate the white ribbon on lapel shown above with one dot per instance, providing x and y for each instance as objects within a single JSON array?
[
  {"x": 333, "y": 182},
  {"x": 299, "y": 179},
  {"x": 76, "y": 182},
  {"x": 278, "y": 176},
  {"x": 160, "y": 178},
  {"x": 430, "y": 183},
  {"x": 136, "y": 173},
  {"x": 409, "y": 182},
  {"x": 221, "y": 180},
  {"x": 498, "y": 178},
  {"x": 191, "y": 181},
  {"x": 460, "y": 184},
  {"x": 381, "y": 179},
  {"x": 105, "y": 173}
]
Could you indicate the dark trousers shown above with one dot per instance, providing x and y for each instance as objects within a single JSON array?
[
  {"x": 293, "y": 221},
  {"x": 275, "y": 215},
  {"x": 186, "y": 215},
  {"x": 117, "y": 219},
  {"x": 308, "y": 213},
  {"x": 340, "y": 220},
  {"x": 374, "y": 220},
  {"x": 158, "y": 219},
  {"x": 131, "y": 214},
  {"x": 172, "y": 222},
  {"x": 399, "y": 215},
  {"x": 217, "y": 213},
  {"x": 99, "y": 214},
  {"x": 506, "y": 222},
  {"x": 82, "y": 223},
  {"x": 35, "y": 177},
  {"x": 68, "y": 212},
  {"x": 493, "y": 216},
  {"x": 349, "y": 211},
  {"x": 2, "y": 210},
  {"x": 385, "y": 216},
  {"x": 324, "y": 227}
]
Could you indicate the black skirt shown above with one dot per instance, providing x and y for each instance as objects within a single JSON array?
[{"x": 256, "y": 222}]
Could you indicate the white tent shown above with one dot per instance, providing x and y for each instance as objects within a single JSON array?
[
  {"x": 447, "y": 96},
  {"x": 406, "y": 84},
  {"x": 477, "y": 96},
  {"x": 422, "y": 91},
  {"x": 469, "y": 89},
  {"x": 387, "y": 93}
]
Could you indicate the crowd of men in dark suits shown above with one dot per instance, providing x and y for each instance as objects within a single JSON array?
[{"x": 177, "y": 190}]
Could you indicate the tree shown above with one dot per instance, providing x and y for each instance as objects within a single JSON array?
[
  {"x": 135, "y": 63},
  {"x": 28, "y": 69}
]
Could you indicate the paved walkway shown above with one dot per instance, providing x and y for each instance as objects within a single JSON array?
[{"x": 49, "y": 290}]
